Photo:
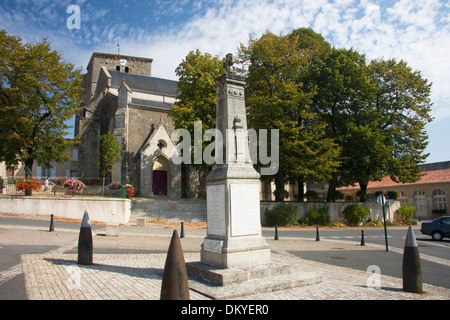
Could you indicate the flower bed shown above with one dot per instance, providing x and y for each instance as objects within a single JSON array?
[
  {"x": 114, "y": 185},
  {"x": 74, "y": 185},
  {"x": 129, "y": 191},
  {"x": 28, "y": 184}
]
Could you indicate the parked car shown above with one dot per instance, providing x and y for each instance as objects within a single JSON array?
[{"x": 438, "y": 229}]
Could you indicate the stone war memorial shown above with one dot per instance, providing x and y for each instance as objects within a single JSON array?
[{"x": 234, "y": 255}]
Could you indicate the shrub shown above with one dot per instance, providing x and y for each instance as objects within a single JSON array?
[
  {"x": 392, "y": 195},
  {"x": 281, "y": 193},
  {"x": 281, "y": 215},
  {"x": 60, "y": 180},
  {"x": 114, "y": 185},
  {"x": 312, "y": 195},
  {"x": 354, "y": 214},
  {"x": 319, "y": 217},
  {"x": 129, "y": 191},
  {"x": 28, "y": 184},
  {"x": 74, "y": 185},
  {"x": 373, "y": 223},
  {"x": 405, "y": 213}
]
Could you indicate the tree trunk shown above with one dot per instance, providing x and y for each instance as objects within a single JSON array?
[
  {"x": 301, "y": 194},
  {"x": 28, "y": 173},
  {"x": 28, "y": 168},
  {"x": 363, "y": 192},
  {"x": 331, "y": 195},
  {"x": 103, "y": 185},
  {"x": 279, "y": 185}
]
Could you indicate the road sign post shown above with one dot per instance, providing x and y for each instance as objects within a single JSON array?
[{"x": 382, "y": 201}]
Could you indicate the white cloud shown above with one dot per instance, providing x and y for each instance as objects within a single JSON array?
[{"x": 415, "y": 31}]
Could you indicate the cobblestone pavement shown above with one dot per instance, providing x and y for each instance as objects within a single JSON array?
[{"x": 130, "y": 266}]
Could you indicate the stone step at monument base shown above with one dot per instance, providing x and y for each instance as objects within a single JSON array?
[{"x": 228, "y": 283}]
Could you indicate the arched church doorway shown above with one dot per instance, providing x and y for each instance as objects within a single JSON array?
[{"x": 160, "y": 176}]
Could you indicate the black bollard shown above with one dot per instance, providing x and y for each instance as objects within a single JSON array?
[
  {"x": 317, "y": 234},
  {"x": 182, "y": 230},
  {"x": 52, "y": 227},
  {"x": 85, "y": 247},
  {"x": 276, "y": 233},
  {"x": 175, "y": 284},
  {"x": 363, "y": 243},
  {"x": 411, "y": 268}
]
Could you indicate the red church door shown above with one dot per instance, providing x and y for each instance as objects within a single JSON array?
[{"x": 159, "y": 182}]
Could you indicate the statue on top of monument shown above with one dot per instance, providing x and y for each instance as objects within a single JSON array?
[{"x": 228, "y": 64}]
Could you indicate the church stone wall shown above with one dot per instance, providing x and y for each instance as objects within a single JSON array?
[
  {"x": 88, "y": 149},
  {"x": 142, "y": 123},
  {"x": 136, "y": 65}
]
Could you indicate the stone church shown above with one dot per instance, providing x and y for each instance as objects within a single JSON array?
[{"x": 121, "y": 96}]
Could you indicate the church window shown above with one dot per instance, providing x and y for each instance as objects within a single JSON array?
[
  {"x": 126, "y": 69},
  {"x": 117, "y": 68}
]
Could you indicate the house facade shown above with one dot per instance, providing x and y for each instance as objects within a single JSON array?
[{"x": 429, "y": 195}]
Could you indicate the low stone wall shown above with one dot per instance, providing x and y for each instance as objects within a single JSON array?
[
  {"x": 335, "y": 209},
  {"x": 107, "y": 210}
]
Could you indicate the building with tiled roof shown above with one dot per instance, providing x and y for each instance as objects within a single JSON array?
[{"x": 428, "y": 195}]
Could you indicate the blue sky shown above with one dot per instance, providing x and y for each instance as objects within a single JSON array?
[{"x": 165, "y": 30}]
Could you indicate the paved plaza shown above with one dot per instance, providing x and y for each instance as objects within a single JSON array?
[{"x": 130, "y": 267}]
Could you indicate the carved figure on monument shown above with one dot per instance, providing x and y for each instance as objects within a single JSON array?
[{"x": 228, "y": 64}]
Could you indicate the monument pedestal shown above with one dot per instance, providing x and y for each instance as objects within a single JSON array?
[
  {"x": 242, "y": 251},
  {"x": 233, "y": 214}
]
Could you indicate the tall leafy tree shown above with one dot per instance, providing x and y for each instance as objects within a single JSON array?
[
  {"x": 376, "y": 114},
  {"x": 403, "y": 100},
  {"x": 196, "y": 100},
  {"x": 276, "y": 99},
  {"x": 343, "y": 102},
  {"x": 39, "y": 92},
  {"x": 109, "y": 154},
  {"x": 387, "y": 137}
]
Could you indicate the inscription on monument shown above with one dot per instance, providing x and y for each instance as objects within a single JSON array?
[
  {"x": 213, "y": 245},
  {"x": 245, "y": 209},
  {"x": 216, "y": 209}
]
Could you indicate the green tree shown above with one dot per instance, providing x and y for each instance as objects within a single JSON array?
[
  {"x": 196, "y": 100},
  {"x": 342, "y": 102},
  {"x": 39, "y": 92},
  {"x": 276, "y": 99},
  {"x": 403, "y": 100},
  {"x": 110, "y": 153},
  {"x": 386, "y": 135},
  {"x": 376, "y": 113}
]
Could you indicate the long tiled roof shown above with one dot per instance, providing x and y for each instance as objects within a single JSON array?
[{"x": 434, "y": 176}]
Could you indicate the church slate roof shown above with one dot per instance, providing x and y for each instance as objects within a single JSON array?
[
  {"x": 153, "y": 104},
  {"x": 144, "y": 83}
]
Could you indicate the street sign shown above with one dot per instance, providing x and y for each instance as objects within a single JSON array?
[{"x": 381, "y": 200}]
